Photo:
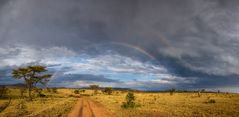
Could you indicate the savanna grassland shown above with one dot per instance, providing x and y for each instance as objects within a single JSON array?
[
  {"x": 59, "y": 102},
  {"x": 54, "y": 103},
  {"x": 174, "y": 105}
]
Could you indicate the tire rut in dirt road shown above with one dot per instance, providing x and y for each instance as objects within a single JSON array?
[
  {"x": 87, "y": 112},
  {"x": 93, "y": 114},
  {"x": 79, "y": 107},
  {"x": 86, "y": 107}
]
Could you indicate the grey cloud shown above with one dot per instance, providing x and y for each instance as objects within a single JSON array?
[
  {"x": 83, "y": 77},
  {"x": 6, "y": 77},
  {"x": 190, "y": 38},
  {"x": 190, "y": 30}
]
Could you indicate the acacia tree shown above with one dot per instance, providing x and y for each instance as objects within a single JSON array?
[
  {"x": 95, "y": 88},
  {"x": 108, "y": 90},
  {"x": 32, "y": 75}
]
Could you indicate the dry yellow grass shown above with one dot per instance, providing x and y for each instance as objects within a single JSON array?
[
  {"x": 151, "y": 104},
  {"x": 176, "y": 105},
  {"x": 54, "y": 105}
]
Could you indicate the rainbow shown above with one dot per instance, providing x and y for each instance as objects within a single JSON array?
[{"x": 135, "y": 48}]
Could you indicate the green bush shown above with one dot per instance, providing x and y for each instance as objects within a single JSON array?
[
  {"x": 108, "y": 90},
  {"x": 130, "y": 101},
  {"x": 83, "y": 90},
  {"x": 76, "y": 91}
]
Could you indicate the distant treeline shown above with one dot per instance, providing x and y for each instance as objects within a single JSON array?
[{"x": 128, "y": 89}]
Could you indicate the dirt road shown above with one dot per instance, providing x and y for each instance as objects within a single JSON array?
[{"x": 86, "y": 107}]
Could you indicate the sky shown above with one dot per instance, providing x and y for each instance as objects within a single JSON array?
[{"x": 140, "y": 44}]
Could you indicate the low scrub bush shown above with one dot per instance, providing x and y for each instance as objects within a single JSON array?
[
  {"x": 108, "y": 90},
  {"x": 39, "y": 92},
  {"x": 76, "y": 91},
  {"x": 130, "y": 101},
  {"x": 83, "y": 90},
  {"x": 54, "y": 90},
  {"x": 211, "y": 101}
]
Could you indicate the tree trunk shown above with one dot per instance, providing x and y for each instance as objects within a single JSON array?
[
  {"x": 28, "y": 85},
  {"x": 29, "y": 93}
]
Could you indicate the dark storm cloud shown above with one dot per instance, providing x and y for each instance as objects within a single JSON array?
[
  {"x": 83, "y": 77},
  {"x": 192, "y": 39},
  {"x": 5, "y": 76},
  {"x": 190, "y": 83}
]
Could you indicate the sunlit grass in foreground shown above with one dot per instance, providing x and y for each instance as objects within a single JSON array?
[
  {"x": 53, "y": 105},
  {"x": 176, "y": 105},
  {"x": 60, "y": 103}
]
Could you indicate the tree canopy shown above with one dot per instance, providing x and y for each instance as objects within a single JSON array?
[{"x": 32, "y": 75}]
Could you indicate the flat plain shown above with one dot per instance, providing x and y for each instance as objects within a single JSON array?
[{"x": 62, "y": 102}]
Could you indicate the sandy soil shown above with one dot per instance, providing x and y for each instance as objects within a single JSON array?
[{"x": 86, "y": 107}]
